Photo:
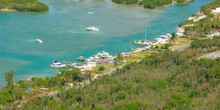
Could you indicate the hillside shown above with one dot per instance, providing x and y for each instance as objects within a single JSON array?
[
  {"x": 23, "y": 5},
  {"x": 202, "y": 24},
  {"x": 168, "y": 80},
  {"x": 151, "y": 4},
  {"x": 167, "y": 76}
]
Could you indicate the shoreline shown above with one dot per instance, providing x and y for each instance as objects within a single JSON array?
[
  {"x": 157, "y": 7},
  {"x": 8, "y": 10},
  {"x": 100, "y": 75},
  {"x": 116, "y": 4}
]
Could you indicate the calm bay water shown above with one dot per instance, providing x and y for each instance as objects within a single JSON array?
[{"x": 62, "y": 30}]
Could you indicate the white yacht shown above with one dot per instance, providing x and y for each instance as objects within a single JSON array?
[
  {"x": 57, "y": 64},
  {"x": 141, "y": 42},
  {"x": 92, "y": 29},
  {"x": 39, "y": 41}
]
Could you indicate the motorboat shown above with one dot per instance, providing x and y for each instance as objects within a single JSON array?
[
  {"x": 141, "y": 42},
  {"x": 92, "y": 29},
  {"x": 39, "y": 41},
  {"x": 57, "y": 64}
]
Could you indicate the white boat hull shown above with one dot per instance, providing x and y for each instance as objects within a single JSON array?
[
  {"x": 58, "y": 66},
  {"x": 92, "y": 29},
  {"x": 39, "y": 41}
]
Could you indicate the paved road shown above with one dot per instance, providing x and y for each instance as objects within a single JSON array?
[
  {"x": 181, "y": 48},
  {"x": 212, "y": 55},
  {"x": 211, "y": 36}
]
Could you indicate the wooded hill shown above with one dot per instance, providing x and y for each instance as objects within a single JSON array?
[
  {"x": 167, "y": 80},
  {"x": 24, "y": 5},
  {"x": 151, "y": 4}
]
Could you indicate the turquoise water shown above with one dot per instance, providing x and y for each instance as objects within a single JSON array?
[{"x": 62, "y": 30}]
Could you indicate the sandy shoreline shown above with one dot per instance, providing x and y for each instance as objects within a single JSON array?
[{"x": 6, "y": 9}]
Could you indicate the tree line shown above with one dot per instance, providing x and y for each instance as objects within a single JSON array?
[
  {"x": 150, "y": 4},
  {"x": 167, "y": 80},
  {"x": 24, "y": 5},
  {"x": 17, "y": 90},
  {"x": 204, "y": 26}
]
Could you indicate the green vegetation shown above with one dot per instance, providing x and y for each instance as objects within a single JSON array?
[
  {"x": 168, "y": 80},
  {"x": 203, "y": 27},
  {"x": 206, "y": 9},
  {"x": 165, "y": 80},
  {"x": 173, "y": 37},
  {"x": 13, "y": 92},
  {"x": 210, "y": 44},
  {"x": 150, "y": 4},
  {"x": 181, "y": 1},
  {"x": 160, "y": 80},
  {"x": 119, "y": 57},
  {"x": 101, "y": 68},
  {"x": 24, "y": 5}
]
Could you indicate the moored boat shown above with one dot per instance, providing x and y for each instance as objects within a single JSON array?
[
  {"x": 57, "y": 64},
  {"x": 92, "y": 29}
]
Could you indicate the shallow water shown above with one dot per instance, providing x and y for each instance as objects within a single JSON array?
[{"x": 62, "y": 30}]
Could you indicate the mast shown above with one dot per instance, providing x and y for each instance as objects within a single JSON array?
[
  {"x": 133, "y": 39},
  {"x": 145, "y": 34},
  {"x": 129, "y": 41}
]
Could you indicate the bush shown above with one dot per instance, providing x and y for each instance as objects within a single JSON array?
[
  {"x": 181, "y": 1},
  {"x": 158, "y": 85},
  {"x": 131, "y": 1},
  {"x": 149, "y": 5},
  {"x": 119, "y": 1},
  {"x": 101, "y": 68},
  {"x": 178, "y": 101},
  {"x": 24, "y": 84},
  {"x": 194, "y": 94},
  {"x": 187, "y": 84},
  {"x": 166, "y": 46},
  {"x": 121, "y": 95},
  {"x": 131, "y": 106}
]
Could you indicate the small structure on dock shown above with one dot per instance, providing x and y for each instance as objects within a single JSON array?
[
  {"x": 126, "y": 54},
  {"x": 102, "y": 57},
  {"x": 91, "y": 64},
  {"x": 81, "y": 58}
]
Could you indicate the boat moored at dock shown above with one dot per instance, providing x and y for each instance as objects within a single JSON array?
[
  {"x": 57, "y": 64},
  {"x": 81, "y": 58}
]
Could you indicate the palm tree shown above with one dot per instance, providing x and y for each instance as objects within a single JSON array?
[
  {"x": 9, "y": 77},
  {"x": 119, "y": 57}
]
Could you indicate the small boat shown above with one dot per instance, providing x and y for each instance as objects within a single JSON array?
[
  {"x": 81, "y": 58},
  {"x": 92, "y": 29},
  {"x": 136, "y": 49},
  {"x": 39, "y": 41},
  {"x": 90, "y": 12},
  {"x": 142, "y": 42},
  {"x": 57, "y": 64}
]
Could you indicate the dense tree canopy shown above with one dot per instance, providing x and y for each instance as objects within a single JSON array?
[
  {"x": 15, "y": 91},
  {"x": 204, "y": 26},
  {"x": 169, "y": 80},
  {"x": 151, "y": 4},
  {"x": 23, "y": 5}
]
